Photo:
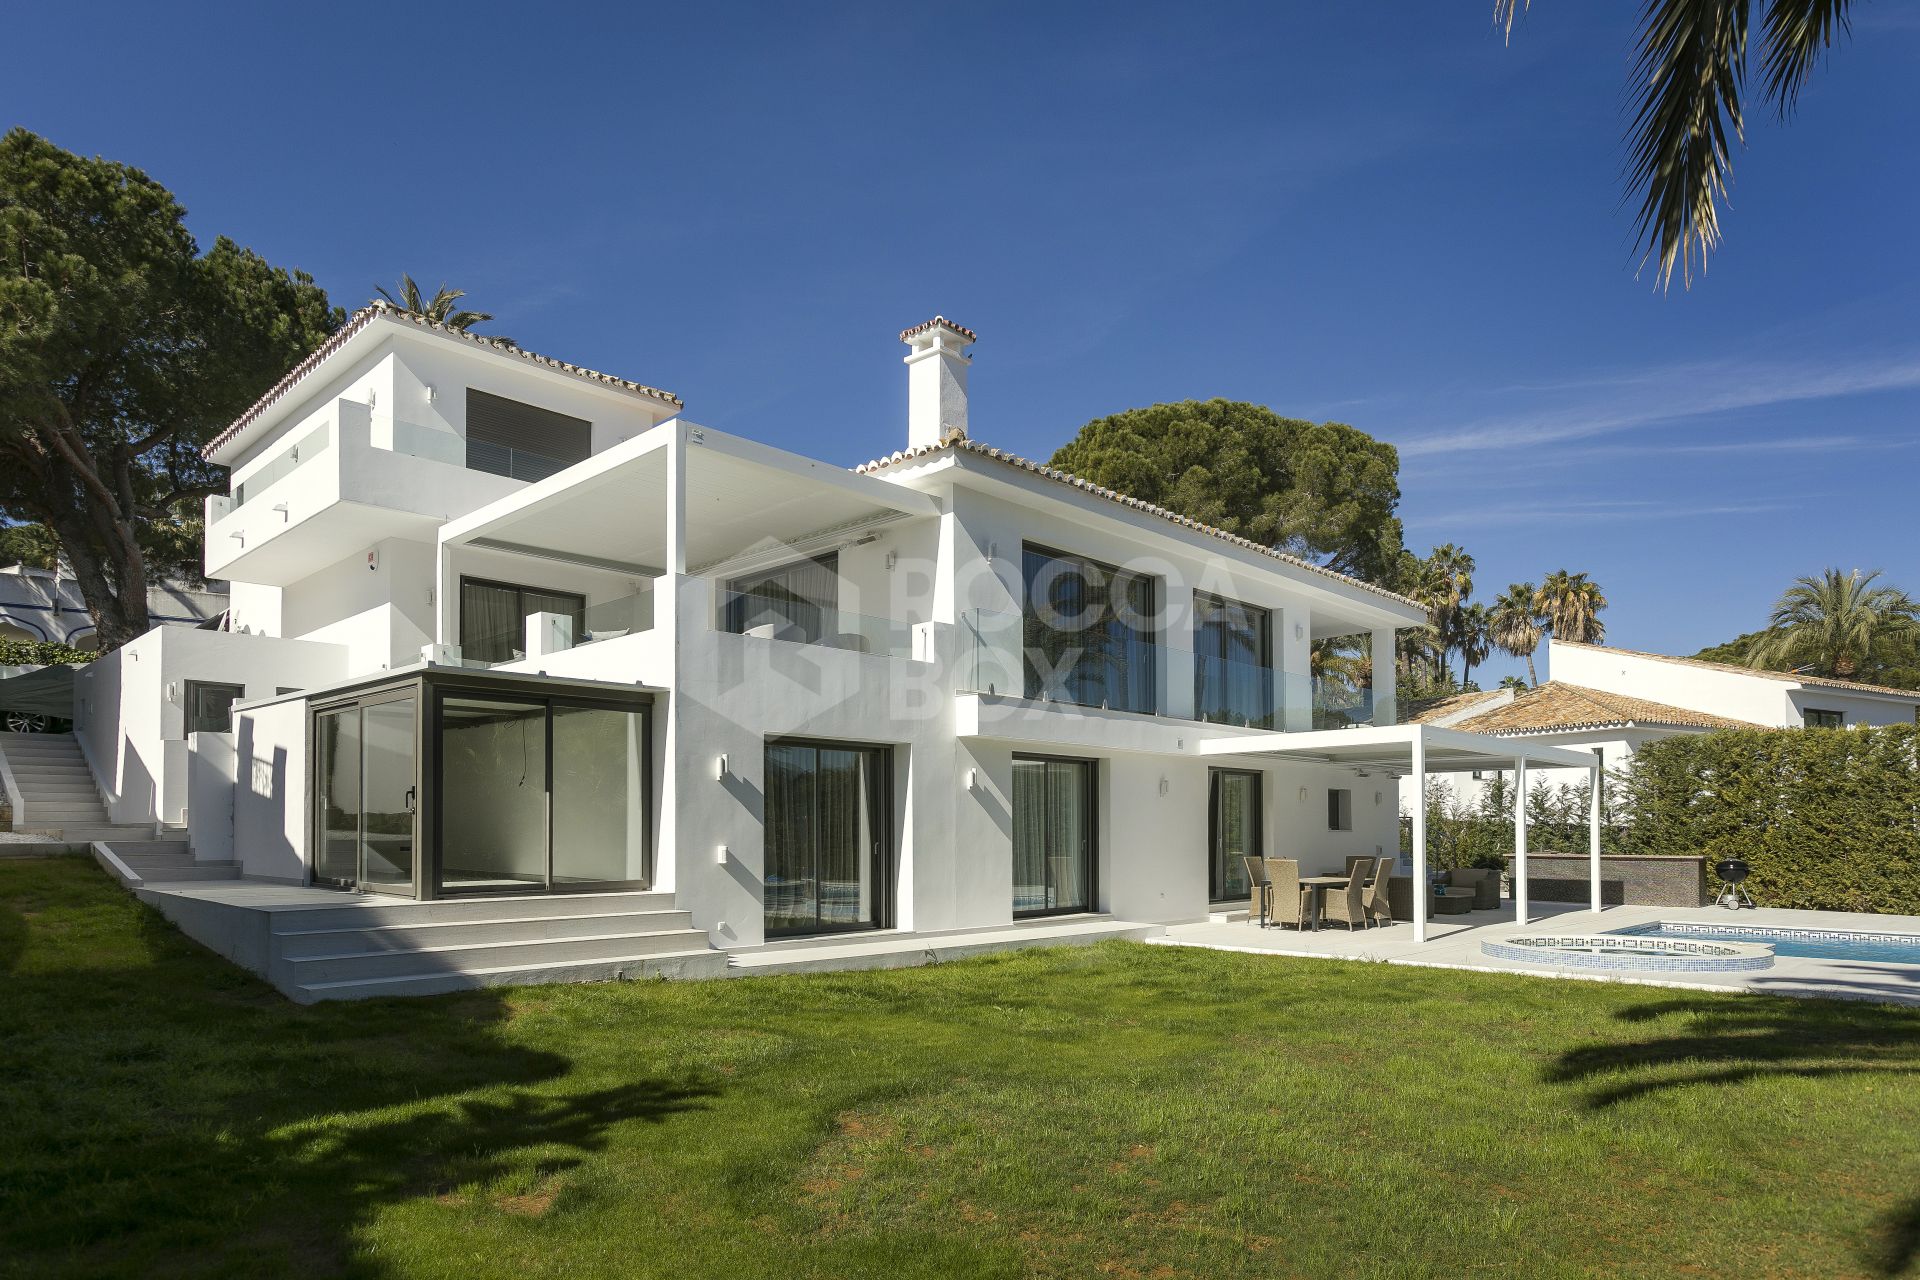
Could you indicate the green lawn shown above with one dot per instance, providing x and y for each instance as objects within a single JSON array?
[{"x": 1116, "y": 1111}]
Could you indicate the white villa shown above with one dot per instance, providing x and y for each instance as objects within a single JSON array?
[
  {"x": 1611, "y": 702},
  {"x": 529, "y": 677}
]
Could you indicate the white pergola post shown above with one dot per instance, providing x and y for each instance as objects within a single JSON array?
[
  {"x": 1593, "y": 830},
  {"x": 1419, "y": 777},
  {"x": 1520, "y": 839}
]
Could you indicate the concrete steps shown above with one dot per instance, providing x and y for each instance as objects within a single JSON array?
[
  {"x": 146, "y": 861},
  {"x": 58, "y": 795},
  {"x": 367, "y": 949}
]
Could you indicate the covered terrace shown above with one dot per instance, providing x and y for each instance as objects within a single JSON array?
[{"x": 1413, "y": 751}]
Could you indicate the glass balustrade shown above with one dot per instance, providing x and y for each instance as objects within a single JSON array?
[{"x": 799, "y": 620}]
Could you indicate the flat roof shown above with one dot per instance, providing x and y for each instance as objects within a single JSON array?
[{"x": 1389, "y": 749}]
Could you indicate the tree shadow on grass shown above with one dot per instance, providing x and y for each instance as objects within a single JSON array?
[
  {"x": 168, "y": 1114},
  {"x": 1726, "y": 1040}
]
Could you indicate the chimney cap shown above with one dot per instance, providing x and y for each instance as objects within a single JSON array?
[{"x": 938, "y": 322}]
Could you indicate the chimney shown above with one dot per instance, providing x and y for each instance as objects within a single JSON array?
[{"x": 936, "y": 381}]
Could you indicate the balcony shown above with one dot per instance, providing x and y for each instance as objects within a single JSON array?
[
  {"x": 792, "y": 621},
  {"x": 345, "y": 482},
  {"x": 1004, "y": 656}
]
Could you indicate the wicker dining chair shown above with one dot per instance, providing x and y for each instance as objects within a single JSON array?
[
  {"x": 1291, "y": 899},
  {"x": 1344, "y": 903},
  {"x": 1260, "y": 903},
  {"x": 1378, "y": 900}
]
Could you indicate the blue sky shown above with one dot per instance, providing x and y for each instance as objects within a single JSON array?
[{"x": 1381, "y": 214}]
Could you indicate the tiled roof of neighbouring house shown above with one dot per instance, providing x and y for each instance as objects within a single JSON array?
[
  {"x": 1438, "y": 710},
  {"x": 1818, "y": 682},
  {"x": 366, "y": 315},
  {"x": 965, "y": 445},
  {"x": 1555, "y": 707}
]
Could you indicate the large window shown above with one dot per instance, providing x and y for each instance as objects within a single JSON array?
[
  {"x": 493, "y": 617},
  {"x": 799, "y": 601},
  {"x": 539, "y": 794},
  {"x": 1817, "y": 719},
  {"x": 1088, "y": 633},
  {"x": 1053, "y": 835},
  {"x": 826, "y": 837},
  {"x": 210, "y": 706},
  {"x": 1232, "y": 662},
  {"x": 523, "y": 441},
  {"x": 1233, "y": 829}
]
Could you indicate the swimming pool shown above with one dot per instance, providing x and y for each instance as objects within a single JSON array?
[
  {"x": 1809, "y": 944},
  {"x": 1617, "y": 952}
]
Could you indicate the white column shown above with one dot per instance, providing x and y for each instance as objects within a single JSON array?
[
  {"x": 1593, "y": 830},
  {"x": 1419, "y": 779},
  {"x": 677, "y": 775},
  {"x": 1385, "y": 696},
  {"x": 1296, "y": 670},
  {"x": 1520, "y": 839}
]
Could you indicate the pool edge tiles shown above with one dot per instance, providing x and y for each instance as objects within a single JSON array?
[
  {"x": 1620, "y": 952},
  {"x": 1793, "y": 941}
]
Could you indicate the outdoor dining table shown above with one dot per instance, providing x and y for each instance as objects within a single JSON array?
[{"x": 1319, "y": 885}]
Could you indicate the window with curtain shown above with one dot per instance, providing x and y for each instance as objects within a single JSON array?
[
  {"x": 1232, "y": 662},
  {"x": 826, "y": 845},
  {"x": 1088, "y": 632},
  {"x": 798, "y": 601},
  {"x": 493, "y": 617}
]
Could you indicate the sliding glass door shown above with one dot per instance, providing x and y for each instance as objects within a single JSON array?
[
  {"x": 1233, "y": 830},
  {"x": 1053, "y": 835},
  {"x": 827, "y": 868},
  {"x": 539, "y": 794},
  {"x": 366, "y": 792}
]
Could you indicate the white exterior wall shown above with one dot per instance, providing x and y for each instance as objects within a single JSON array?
[
  {"x": 269, "y": 815},
  {"x": 1757, "y": 698},
  {"x": 211, "y": 777},
  {"x": 130, "y": 707}
]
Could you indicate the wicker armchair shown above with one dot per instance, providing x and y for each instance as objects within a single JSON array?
[
  {"x": 1345, "y": 903},
  {"x": 1378, "y": 901},
  {"x": 1485, "y": 884}
]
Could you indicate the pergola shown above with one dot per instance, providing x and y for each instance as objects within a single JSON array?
[{"x": 1416, "y": 750}]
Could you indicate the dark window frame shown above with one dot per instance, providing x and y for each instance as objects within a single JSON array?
[
  {"x": 1260, "y": 716},
  {"x": 1091, "y": 797},
  {"x": 1147, "y": 639},
  {"x": 520, "y": 590},
  {"x": 1216, "y": 868},
  {"x": 1824, "y": 718},
  {"x": 734, "y": 617},
  {"x": 885, "y": 859},
  {"x": 190, "y": 706},
  {"x": 1336, "y": 810},
  {"x": 530, "y": 450}
]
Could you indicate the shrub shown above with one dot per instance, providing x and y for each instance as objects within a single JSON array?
[
  {"x": 1829, "y": 819},
  {"x": 39, "y": 653}
]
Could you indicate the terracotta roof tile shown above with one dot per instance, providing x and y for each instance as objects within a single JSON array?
[
  {"x": 1435, "y": 710},
  {"x": 940, "y": 322},
  {"x": 365, "y": 316},
  {"x": 1818, "y": 682},
  {"x": 965, "y": 444},
  {"x": 1555, "y": 706}
]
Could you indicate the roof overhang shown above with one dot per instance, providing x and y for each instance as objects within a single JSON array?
[
  {"x": 745, "y": 503},
  {"x": 1390, "y": 749}
]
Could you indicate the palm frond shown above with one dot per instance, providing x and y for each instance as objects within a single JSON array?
[
  {"x": 1692, "y": 63},
  {"x": 1797, "y": 33}
]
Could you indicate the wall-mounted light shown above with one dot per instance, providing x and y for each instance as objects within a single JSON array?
[
  {"x": 240, "y": 536},
  {"x": 1299, "y": 632},
  {"x": 173, "y": 691},
  {"x": 1377, "y": 796},
  {"x": 720, "y": 854},
  {"x": 1165, "y": 785},
  {"x": 992, "y": 550},
  {"x": 893, "y": 558},
  {"x": 720, "y": 767},
  {"x": 973, "y": 779},
  {"x": 1303, "y": 795},
  {"x": 430, "y": 393},
  {"x": 281, "y": 507}
]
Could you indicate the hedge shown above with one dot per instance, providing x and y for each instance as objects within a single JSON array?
[
  {"x": 39, "y": 653},
  {"x": 1829, "y": 819}
]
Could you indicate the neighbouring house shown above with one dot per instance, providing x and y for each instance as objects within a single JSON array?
[
  {"x": 504, "y": 627},
  {"x": 42, "y": 604},
  {"x": 1613, "y": 701}
]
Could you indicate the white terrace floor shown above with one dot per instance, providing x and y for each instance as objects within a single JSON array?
[{"x": 1453, "y": 942}]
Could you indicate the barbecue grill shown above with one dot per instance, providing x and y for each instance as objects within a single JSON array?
[{"x": 1732, "y": 873}]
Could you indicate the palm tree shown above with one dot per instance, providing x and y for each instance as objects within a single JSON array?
[
  {"x": 1515, "y": 626},
  {"x": 1836, "y": 624},
  {"x": 1690, "y": 75},
  {"x": 1472, "y": 638},
  {"x": 440, "y": 308},
  {"x": 1443, "y": 582},
  {"x": 1571, "y": 606}
]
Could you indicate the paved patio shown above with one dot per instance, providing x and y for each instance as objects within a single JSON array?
[{"x": 1453, "y": 942}]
